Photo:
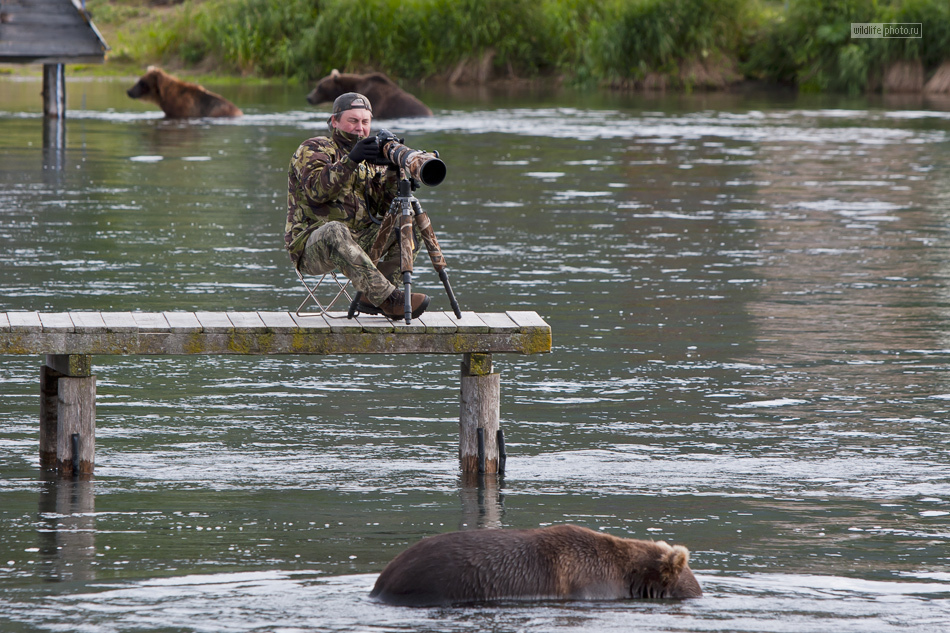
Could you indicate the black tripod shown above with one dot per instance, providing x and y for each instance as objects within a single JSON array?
[{"x": 406, "y": 209}]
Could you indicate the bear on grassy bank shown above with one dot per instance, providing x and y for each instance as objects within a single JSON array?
[
  {"x": 559, "y": 562},
  {"x": 180, "y": 99},
  {"x": 389, "y": 100}
]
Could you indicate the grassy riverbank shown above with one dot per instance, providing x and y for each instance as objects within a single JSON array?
[{"x": 640, "y": 44}]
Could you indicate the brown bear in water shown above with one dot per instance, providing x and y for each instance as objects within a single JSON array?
[
  {"x": 179, "y": 99},
  {"x": 389, "y": 101},
  {"x": 559, "y": 562}
]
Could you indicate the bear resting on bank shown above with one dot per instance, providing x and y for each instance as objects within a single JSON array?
[
  {"x": 180, "y": 99},
  {"x": 560, "y": 562},
  {"x": 389, "y": 100}
]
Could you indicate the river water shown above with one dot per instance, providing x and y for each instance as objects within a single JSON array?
[{"x": 749, "y": 301}]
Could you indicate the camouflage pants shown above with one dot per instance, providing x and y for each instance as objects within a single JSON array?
[{"x": 332, "y": 246}]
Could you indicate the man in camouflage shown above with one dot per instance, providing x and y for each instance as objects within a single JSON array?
[{"x": 336, "y": 196}]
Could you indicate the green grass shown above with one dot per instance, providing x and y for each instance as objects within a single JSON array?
[{"x": 687, "y": 43}]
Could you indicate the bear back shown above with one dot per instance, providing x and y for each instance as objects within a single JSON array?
[{"x": 558, "y": 562}]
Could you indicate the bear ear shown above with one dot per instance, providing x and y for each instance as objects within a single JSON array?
[
  {"x": 334, "y": 73},
  {"x": 673, "y": 563}
]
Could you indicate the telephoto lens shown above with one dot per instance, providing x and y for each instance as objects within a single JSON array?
[{"x": 425, "y": 167}]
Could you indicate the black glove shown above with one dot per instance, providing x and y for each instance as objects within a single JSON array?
[{"x": 367, "y": 149}]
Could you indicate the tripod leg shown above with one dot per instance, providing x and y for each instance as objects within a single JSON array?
[
  {"x": 444, "y": 276},
  {"x": 435, "y": 254},
  {"x": 406, "y": 247}
]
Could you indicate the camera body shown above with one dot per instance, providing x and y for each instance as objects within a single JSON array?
[{"x": 422, "y": 166}]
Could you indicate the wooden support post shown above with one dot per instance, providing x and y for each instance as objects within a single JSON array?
[
  {"x": 54, "y": 91},
  {"x": 68, "y": 414},
  {"x": 49, "y": 399},
  {"x": 480, "y": 411}
]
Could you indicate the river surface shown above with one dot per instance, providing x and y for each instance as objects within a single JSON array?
[{"x": 749, "y": 296}]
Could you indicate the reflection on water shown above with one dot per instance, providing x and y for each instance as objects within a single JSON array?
[
  {"x": 749, "y": 305},
  {"x": 305, "y": 600},
  {"x": 68, "y": 533}
]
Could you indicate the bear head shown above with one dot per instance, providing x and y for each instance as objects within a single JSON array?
[
  {"x": 148, "y": 87},
  {"x": 662, "y": 571},
  {"x": 329, "y": 88}
]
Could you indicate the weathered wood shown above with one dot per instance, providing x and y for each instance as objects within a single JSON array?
[
  {"x": 54, "y": 91},
  {"x": 214, "y": 322},
  {"x": 88, "y": 321},
  {"x": 439, "y": 322},
  {"x": 279, "y": 322},
  {"x": 68, "y": 388},
  {"x": 51, "y": 32},
  {"x": 498, "y": 322},
  {"x": 70, "y": 364},
  {"x": 151, "y": 322},
  {"x": 471, "y": 322},
  {"x": 24, "y": 321},
  {"x": 267, "y": 333},
  {"x": 480, "y": 411},
  {"x": 76, "y": 429},
  {"x": 119, "y": 322},
  {"x": 248, "y": 322},
  {"x": 182, "y": 322},
  {"x": 49, "y": 415}
]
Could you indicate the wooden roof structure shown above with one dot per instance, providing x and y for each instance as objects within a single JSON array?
[{"x": 49, "y": 32}]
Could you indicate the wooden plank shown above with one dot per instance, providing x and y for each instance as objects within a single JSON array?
[
  {"x": 375, "y": 323},
  {"x": 247, "y": 322},
  {"x": 88, "y": 322},
  {"x": 340, "y": 324},
  {"x": 182, "y": 322},
  {"x": 214, "y": 322},
  {"x": 416, "y": 327},
  {"x": 498, "y": 322},
  {"x": 120, "y": 333},
  {"x": 278, "y": 322},
  {"x": 471, "y": 323},
  {"x": 439, "y": 323},
  {"x": 311, "y": 322},
  {"x": 24, "y": 321},
  {"x": 119, "y": 322},
  {"x": 56, "y": 322},
  {"x": 151, "y": 322},
  {"x": 527, "y": 319}
]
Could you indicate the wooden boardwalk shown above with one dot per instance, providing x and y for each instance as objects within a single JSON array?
[
  {"x": 266, "y": 333},
  {"x": 69, "y": 340}
]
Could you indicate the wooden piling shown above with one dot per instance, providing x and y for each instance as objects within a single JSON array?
[
  {"x": 54, "y": 91},
  {"x": 480, "y": 411},
  {"x": 49, "y": 399},
  {"x": 68, "y": 414}
]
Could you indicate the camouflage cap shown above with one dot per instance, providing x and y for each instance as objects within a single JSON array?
[{"x": 351, "y": 101}]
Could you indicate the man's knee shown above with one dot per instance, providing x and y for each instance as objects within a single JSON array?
[{"x": 335, "y": 233}]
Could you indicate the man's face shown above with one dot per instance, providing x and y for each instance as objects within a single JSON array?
[{"x": 354, "y": 122}]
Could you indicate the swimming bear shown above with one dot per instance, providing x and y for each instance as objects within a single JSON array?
[{"x": 559, "y": 562}]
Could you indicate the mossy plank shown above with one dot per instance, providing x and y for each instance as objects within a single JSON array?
[{"x": 249, "y": 333}]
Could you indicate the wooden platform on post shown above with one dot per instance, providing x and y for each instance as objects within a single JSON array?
[{"x": 68, "y": 340}]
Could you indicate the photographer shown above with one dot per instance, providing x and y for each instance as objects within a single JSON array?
[{"x": 335, "y": 197}]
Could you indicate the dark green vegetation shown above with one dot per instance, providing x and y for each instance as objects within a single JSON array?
[{"x": 623, "y": 43}]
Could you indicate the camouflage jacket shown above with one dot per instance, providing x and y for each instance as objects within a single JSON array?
[{"x": 325, "y": 185}]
